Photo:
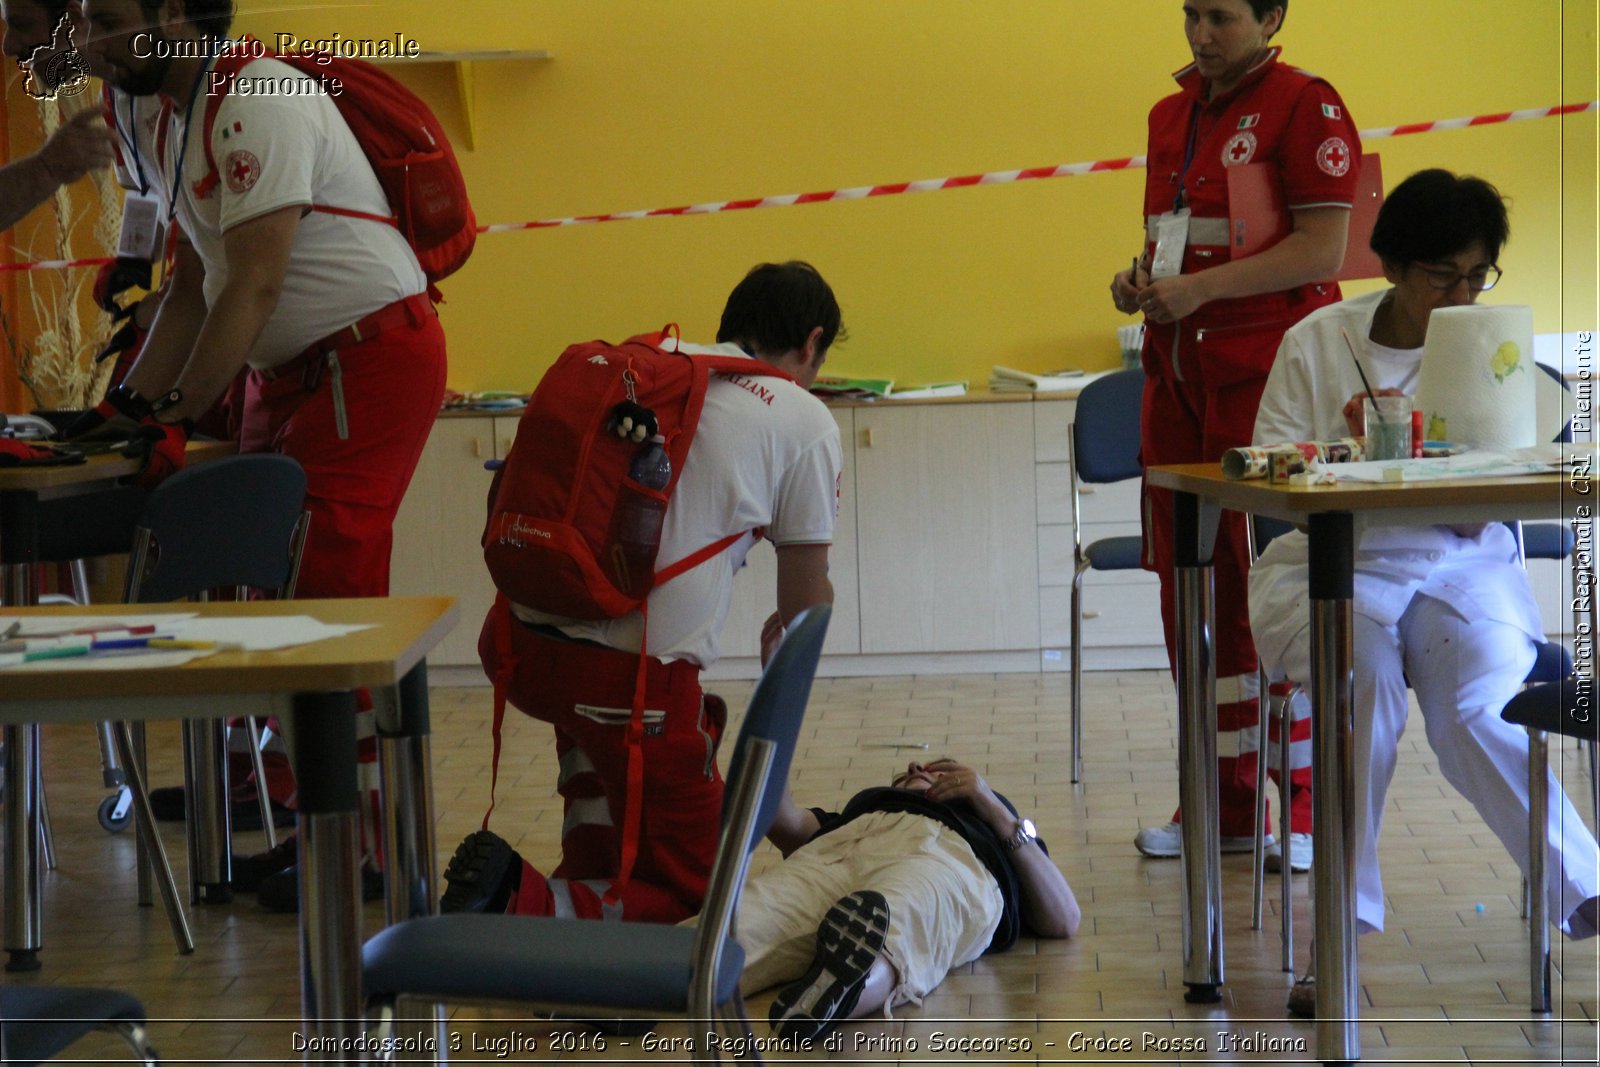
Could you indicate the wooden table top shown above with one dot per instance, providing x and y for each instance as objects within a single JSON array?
[
  {"x": 1296, "y": 502},
  {"x": 106, "y": 467},
  {"x": 405, "y": 629}
]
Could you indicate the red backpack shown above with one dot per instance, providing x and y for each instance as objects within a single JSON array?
[
  {"x": 552, "y": 506},
  {"x": 402, "y": 140}
]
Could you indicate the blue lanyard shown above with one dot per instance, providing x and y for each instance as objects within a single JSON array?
[
  {"x": 183, "y": 144},
  {"x": 131, "y": 142},
  {"x": 1188, "y": 155}
]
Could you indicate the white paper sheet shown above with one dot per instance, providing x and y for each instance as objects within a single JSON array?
[
  {"x": 245, "y": 633},
  {"x": 1475, "y": 463}
]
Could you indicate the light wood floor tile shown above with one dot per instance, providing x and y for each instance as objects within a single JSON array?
[{"x": 1445, "y": 983}]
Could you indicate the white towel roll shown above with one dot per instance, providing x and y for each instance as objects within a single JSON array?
[{"x": 1477, "y": 385}]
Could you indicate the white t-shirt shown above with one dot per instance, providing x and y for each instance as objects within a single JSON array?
[
  {"x": 274, "y": 152},
  {"x": 766, "y": 454}
]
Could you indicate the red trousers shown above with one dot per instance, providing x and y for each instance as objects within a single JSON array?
[
  {"x": 1186, "y": 422},
  {"x": 392, "y": 386},
  {"x": 585, "y": 692}
]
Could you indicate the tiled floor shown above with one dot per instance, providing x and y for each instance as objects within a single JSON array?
[{"x": 1446, "y": 983}]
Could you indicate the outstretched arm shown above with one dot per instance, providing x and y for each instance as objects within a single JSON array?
[
  {"x": 793, "y": 827},
  {"x": 1048, "y": 905},
  {"x": 80, "y": 145}
]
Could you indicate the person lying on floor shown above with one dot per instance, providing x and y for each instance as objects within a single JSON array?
[{"x": 872, "y": 905}]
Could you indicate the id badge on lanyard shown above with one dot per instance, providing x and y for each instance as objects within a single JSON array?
[
  {"x": 1172, "y": 237},
  {"x": 142, "y": 228}
]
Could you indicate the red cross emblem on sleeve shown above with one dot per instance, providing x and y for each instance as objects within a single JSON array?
[
  {"x": 1333, "y": 157},
  {"x": 242, "y": 169}
]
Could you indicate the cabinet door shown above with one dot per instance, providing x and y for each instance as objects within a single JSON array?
[
  {"x": 947, "y": 542},
  {"x": 755, "y": 587},
  {"x": 436, "y": 550}
]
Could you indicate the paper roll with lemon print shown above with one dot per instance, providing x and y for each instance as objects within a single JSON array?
[{"x": 1477, "y": 385}]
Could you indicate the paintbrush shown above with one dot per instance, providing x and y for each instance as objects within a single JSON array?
[{"x": 1364, "y": 383}]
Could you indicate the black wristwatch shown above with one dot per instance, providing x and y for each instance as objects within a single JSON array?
[{"x": 1024, "y": 833}]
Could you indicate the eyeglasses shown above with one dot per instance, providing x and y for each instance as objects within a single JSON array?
[{"x": 1479, "y": 281}]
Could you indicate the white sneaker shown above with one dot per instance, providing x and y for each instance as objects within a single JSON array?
[
  {"x": 1299, "y": 854},
  {"x": 1166, "y": 841}
]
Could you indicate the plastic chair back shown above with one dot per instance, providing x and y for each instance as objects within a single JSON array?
[
  {"x": 233, "y": 522},
  {"x": 1105, "y": 430},
  {"x": 37, "y": 1022}
]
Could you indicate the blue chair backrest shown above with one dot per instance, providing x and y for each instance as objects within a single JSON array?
[
  {"x": 224, "y": 523},
  {"x": 1105, "y": 430},
  {"x": 778, "y": 706}
]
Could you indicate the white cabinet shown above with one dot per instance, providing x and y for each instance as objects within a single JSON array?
[
  {"x": 953, "y": 550},
  {"x": 436, "y": 548},
  {"x": 946, "y": 527}
]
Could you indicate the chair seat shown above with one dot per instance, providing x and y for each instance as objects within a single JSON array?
[
  {"x": 1115, "y": 553},
  {"x": 637, "y": 966},
  {"x": 1551, "y": 663},
  {"x": 1554, "y": 708},
  {"x": 39, "y": 1021}
]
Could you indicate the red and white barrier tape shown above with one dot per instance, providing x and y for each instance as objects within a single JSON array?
[{"x": 865, "y": 192}]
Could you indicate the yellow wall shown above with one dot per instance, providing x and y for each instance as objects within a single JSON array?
[{"x": 655, "y": 103}]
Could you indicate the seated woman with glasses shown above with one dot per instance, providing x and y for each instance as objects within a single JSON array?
[{"x": 1447, "y": 608}]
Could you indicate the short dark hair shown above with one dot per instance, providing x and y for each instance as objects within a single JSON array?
[
  {"x": 1434, "y": 215},
  {"x": 210, "y": 18},
  {"x": 777, "y": 305},
  {"x": 1262, "y": 8}
]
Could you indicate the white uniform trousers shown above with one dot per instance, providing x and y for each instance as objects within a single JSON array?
[{"x": 1463, "y": 673}]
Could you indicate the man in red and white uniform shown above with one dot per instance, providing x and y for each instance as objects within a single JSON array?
[
  {"x": 766, "y": 455},
  {"x": 1213, "y": 323},
  {"x": 330, "y": 313}
]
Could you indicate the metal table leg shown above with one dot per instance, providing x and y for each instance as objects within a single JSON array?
[
  {"x": 1195, "y": 527},
  {"x": 409, "y": 874},
  {"x": 24, "y": 884},
  {"x": 324, "y": 734},
  {"x": 1332, "y": 584}
]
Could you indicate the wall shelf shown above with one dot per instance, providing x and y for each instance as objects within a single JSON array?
[{"x": 466, "y": 64}]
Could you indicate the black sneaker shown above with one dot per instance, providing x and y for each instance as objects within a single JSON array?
[
  {"x": 483, "y": 875},
  {"x": 250, "y": 871},
  {"x": 166, "y": 803},
  {"x": 280, "y": 892},
  {"x": 848, "y": 942}
]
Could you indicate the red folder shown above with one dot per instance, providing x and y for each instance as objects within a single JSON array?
[{"x": 1258, "y": 218}]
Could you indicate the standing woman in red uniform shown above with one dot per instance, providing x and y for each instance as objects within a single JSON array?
[{"x": 1213, "y": 322}]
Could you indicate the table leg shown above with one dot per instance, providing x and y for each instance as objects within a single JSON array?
[
  {"x": 1195, "y": 530},
  {"x": 409, "y": 867},
  {"x": 208, "y": 810},
  {"x": 24, "y": 928},
  {"x": 1538, "y": 876},
  {"x": 324, "y": 734},
  {"x": 1332, "y": 584}
]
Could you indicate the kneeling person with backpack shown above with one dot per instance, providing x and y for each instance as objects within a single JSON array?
[{"x": 642, "y": 475}]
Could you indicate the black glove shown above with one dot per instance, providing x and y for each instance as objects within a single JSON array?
[{"x": 117, "y": 415}]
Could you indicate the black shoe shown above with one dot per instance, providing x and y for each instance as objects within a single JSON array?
[
  {"x": 848, "y": 942},
  {"x": 483, "y": 875},
  {"x": 167, "y": 805},
  {"x": 280, "y": 892},
  {"x": 250, "y": 871}
]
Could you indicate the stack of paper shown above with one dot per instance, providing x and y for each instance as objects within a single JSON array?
[
  {"x": 1008, "y": 380},
  {"x": 929, "y": 391},
  {"x": 834, "y": 387}
]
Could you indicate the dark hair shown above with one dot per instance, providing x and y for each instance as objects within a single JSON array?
[
  {"x": 1263, "y": 8},
  {"x": 1434, "y": 215},
  {"x": 210, "y": 18},
  {"x": 776, "y": 307}
]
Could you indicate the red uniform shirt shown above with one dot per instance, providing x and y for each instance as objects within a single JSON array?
[{"x": 1277, "y": 114}]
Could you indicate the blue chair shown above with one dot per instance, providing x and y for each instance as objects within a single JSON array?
[
  {"x": 636, "y": 969},
  {"x": 1103, "y": 447},
  {"x": 36, "y": 1022}
]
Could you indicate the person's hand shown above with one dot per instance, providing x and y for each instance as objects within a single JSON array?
[
  {"x": 956, "y": 781},
  {"x": 118, "y": 415},
  {"x": 1170, "y": 299},
  {"x": 1125, "y": 290},
  {"x": 162, "y": 445},
  {"x": 81, "y": 144},
  {"x": 772, "y": 632},
  {"x": 1355, "y": 415}
]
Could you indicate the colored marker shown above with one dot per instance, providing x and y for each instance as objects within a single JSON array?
[{"x": 64, "y": 652}]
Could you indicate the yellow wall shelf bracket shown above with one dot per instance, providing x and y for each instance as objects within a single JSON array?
[{"x": 466, "y": 64}]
